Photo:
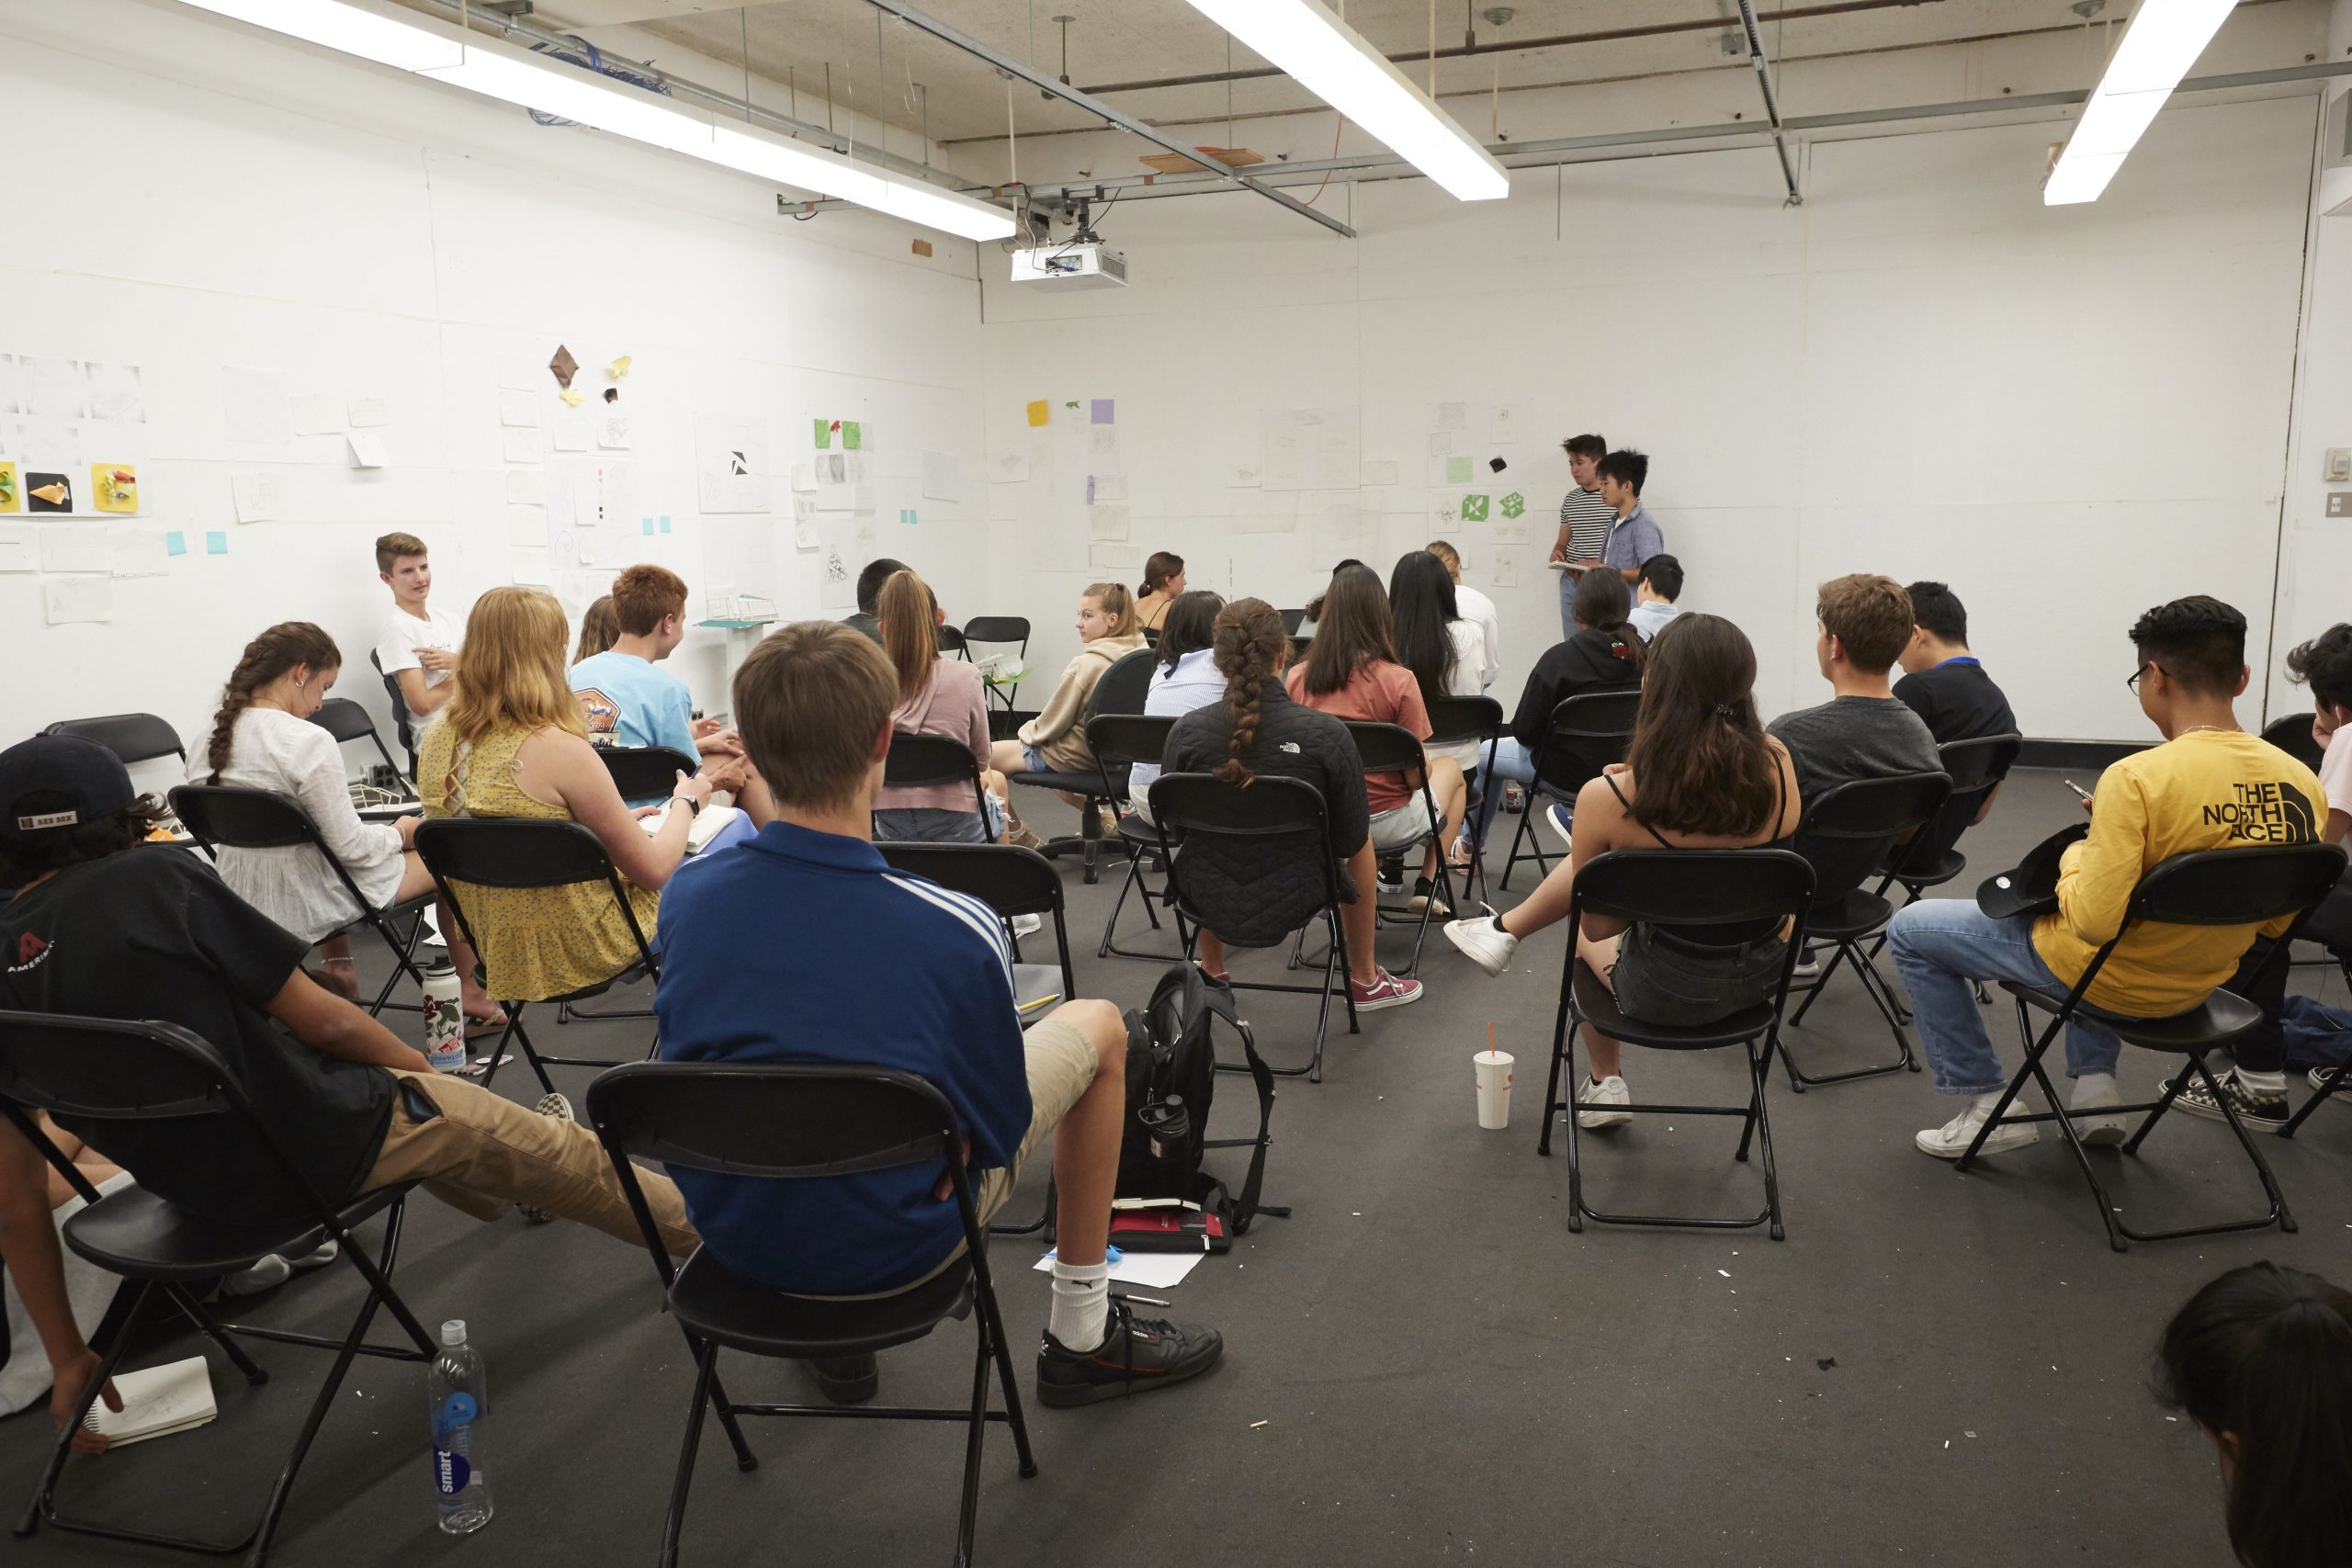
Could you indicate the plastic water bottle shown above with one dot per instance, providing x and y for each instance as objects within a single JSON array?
[
  {"x": 455, "y": 1387},
  {"x": 445, "y": 1021}
]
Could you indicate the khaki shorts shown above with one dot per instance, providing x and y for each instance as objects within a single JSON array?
[{"x": 1061, "y": 1064}]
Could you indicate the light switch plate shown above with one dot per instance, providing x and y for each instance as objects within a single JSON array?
[
  {"x": 2339, "y": 465},
  {"x": 2340, "y": 503}
]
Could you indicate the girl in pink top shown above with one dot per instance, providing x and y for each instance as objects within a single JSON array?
[{"x": 937, "y": 696}]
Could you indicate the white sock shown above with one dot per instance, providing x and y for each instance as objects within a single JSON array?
[
  {"x": 2262, "y": 1083},
  {"x": 1081, "y": 1306}
]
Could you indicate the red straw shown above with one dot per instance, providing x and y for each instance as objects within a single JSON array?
[{"x": 1490, "y": 1038}]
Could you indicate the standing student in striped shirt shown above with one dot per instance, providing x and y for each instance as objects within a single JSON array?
[{"x": 1585, "y": 519}]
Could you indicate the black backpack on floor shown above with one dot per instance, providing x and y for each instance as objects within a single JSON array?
[{"x": 1172, "y": 1082}]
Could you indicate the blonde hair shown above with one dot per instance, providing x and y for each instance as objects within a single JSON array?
[
  {"x": 1115, "y": 602},
  {"x": 810, "y": 702},
  {"x": 1449, "y": 555},
  {"x": 510, "y": 670},
  {"x": 910, "y": 624}
]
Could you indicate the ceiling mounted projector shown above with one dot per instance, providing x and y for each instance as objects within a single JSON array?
[{"x": 1072, "y": 265}]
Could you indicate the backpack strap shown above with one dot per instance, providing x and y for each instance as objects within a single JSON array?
[{"x": 1247, "y": 1207}]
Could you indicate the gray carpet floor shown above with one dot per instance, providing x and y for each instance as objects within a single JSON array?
[{"x": 1423, "y": 1363}]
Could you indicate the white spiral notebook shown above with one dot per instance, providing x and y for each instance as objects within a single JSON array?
[{"x": 156, "y": 1401}]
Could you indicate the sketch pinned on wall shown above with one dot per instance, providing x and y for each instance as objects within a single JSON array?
[
  {"x": 75, "y": 549},
  {"x": 259, "y": 496},
  {"x": 572, "y": 430},
  {"x": 731, "y": 472},
  {"x": 942, "y": 476},
  {"x": 116, "y": 394},
  {"x": 367, "y": 414},
  {"x": 256, "y": 405},
  {"x": 20, "y": 547},
  {"x": 521, "y": 446},
  {"x": 54, "y": 389},
  {"x": 71, "y": 599}
]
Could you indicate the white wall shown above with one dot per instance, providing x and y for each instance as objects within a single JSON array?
[
  {"x": 2070, "y": 413},
  {"x": 208, "y": 196}
]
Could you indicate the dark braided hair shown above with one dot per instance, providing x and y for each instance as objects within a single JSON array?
[
  {"x": 1249, "y": 650},
  {"x": 268, "y": 656}
]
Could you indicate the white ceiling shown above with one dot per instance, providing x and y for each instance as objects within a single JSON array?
[{"x": 878, "y": 69}]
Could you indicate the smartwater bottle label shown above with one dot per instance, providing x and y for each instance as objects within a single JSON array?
[{"x": 450, "y": 1472}]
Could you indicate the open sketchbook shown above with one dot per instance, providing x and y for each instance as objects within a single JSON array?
[{"x": 156, "y": 1401}]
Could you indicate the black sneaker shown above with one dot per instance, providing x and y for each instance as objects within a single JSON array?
[
  {"x": 1137, "y": 1355},
  {"x": 847, "y": 1379},
  {"x": 1426, "y": 896},
  {"x": 1391, "y": 872},
  {"x": 2259, "y": 1112}
]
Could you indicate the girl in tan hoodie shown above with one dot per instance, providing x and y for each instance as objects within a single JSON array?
[{"x": 1054, "y": 741}]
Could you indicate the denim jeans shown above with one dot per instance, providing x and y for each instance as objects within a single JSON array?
[
  {"x": 1567, "y": 597},
  {"x": 1512, "y": 760},
  {"x": 1942, "y": 944}
]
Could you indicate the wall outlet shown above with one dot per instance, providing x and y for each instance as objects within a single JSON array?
[
  {"x": 2340, "y": 503},
  {"x": 2339, "y": 465}
]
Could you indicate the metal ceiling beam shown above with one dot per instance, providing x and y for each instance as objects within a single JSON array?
[
  {"x": 1120, "y": 117},
  {"x": 1763, "y": 68}
]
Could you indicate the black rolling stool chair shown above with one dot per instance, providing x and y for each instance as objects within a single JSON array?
[{"x": 793, "y": 1123}]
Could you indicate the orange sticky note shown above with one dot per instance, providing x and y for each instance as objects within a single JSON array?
[{"x": 1039, "y": 411}]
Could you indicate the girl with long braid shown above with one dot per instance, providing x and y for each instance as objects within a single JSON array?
[
  {"x": 263, "y": 738},
  {"x": 1258, "y": 731}
]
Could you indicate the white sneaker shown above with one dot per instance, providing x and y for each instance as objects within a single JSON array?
[
  {"x": 1951, "y": 1140},
  {"x": 1028, "y": 925},
  {"x": 1610, "y": 1090},
  {"x": 1808, "y": 964},
  {"x": 2091, "y": 1091},
  {"x": 1555, "y": 815},
  {"x": 2319, "y": 1076},
  {"x": 1483, "y": 941}
]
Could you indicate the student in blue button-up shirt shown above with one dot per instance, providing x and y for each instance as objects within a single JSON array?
[{"x": 1634, "y": 538}]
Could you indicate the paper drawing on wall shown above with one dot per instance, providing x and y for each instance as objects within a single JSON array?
[
  {"x": 731, "y": 462},
  {"x": 1457, "y": 470},
  {"x": 1474, "y": 509},
  {"x": 853, "y": 437},
  {"x": 824, "y": 433},
  {"x": 50, "y": 492},
  {"x": 1513, "y": 504},
  {"x": 115, "y": 393},
  {"x": 12, "y": 496},
  {"x": 564, "y": 366},
  {"x": 114, "y": 487},
  {"x": 1443, "y": 517},
  {"x": 54, "y": 389}
]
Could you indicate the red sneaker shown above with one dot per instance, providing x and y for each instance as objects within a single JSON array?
[{"x": 1386, "y": 991}]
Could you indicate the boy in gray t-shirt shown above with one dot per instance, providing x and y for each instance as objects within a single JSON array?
[{"x": 1862, "y": 732}]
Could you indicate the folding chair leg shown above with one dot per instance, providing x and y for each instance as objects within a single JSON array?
[
  {"x": 992, "y": 1324},
  {"x": 1881, "y": 996},
  {"x": 1560, "y": 1051},
  {"x": 975, "y": 1432},
  {"x": 2277, "y": 1214},
  {"x": 706, "y": 1374},
  {"x": 209, "y": 1326},
  {"x": 724, "y": 1408},
  {"x": 2312, "y": 1104},
  {"x": 1526, "y": 826},
  {"x": 1760, "y": 1121},
  {"x": 44, "y": 1502}
]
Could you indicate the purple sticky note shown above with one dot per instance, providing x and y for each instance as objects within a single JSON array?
[{"x": 1105, "y": 411}]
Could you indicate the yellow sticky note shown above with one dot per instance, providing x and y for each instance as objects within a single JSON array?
[
  {"x": 114, "y": 487},
  {"x": 1039, "y": 411}
]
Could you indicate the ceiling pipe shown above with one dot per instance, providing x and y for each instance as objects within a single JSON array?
[
  {"x": 1125, "y": 122},
  {"x": 1520, "y": 46},
  {"x": 1771, "y": 106}
]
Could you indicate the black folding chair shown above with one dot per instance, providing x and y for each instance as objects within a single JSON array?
[
  {"x": 1690, "y": 889},
  {"x": 539, "y": 853},
  {"x": 647, "y": 772},
  {"x": 1121, "y": 689},
  {"x": 1119, "y": 741},
  {"x": 998, "y": 629},
  {"x": 922, "y": 762},
  {"x": 952, "y": 641},
  {"x": 2206, "y": 888},
  {"x": 1847, "y": 834},
  {"x": 2335, "y": 1076},
  {"x": 402, "y": 726},
  {"x": 2293, "y": 735},
  {"x": 222, "y": 816},
  {"x": 795, "y": 1122},
  {"x": 1012, "y": 881},
  {"x": 1292, "y": 621},
  {"x": 1284, "y": 826},
  {"x": 119, "y": 1070},
  {"x": 1392, "y": 749},
  {"x": 1929, "y": 859},
  {"x": 1586, "y": 732},
  {"x": 347, "y": 722},
  {"x": 1457, "y": 721},
  {"x": 133, "y": 738}
]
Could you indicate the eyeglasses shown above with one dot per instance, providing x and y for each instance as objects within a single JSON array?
[{"x": 2131, "y": 681}]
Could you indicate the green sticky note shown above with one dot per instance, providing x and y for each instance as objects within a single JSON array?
[
  {"x": 824, "y": 433},
  {"x": 648, "y": 525},
  {"x": 1457, "y": 470},
  {"x": 851, "y": 435},
  {"x": 1474, "y": 509},
  {"x": 176, "y": 543},
  {"x": 216, "y": 543},
  {"x": 1513, "y": 504},
  {"x": 665, "y": 523}
]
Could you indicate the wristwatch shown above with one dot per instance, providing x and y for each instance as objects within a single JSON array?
[{"x": 693, "y": 806}]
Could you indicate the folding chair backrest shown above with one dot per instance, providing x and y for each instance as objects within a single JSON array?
[
  {"x": 1849, "y": 831},
  {"x": 783, "y": 1120},
  {"x": 1121, "y": 739},
  {"x": 1125, "y": 685},
  {"x": 131, "y": 737},
  {"x": 346, "y": 720},
  {"x": 110, "y": 1069},
  {"x": 918, "y": 761},
  {"x": 2237, "y": 886},
  {"x": 513, "y": 851},
  {"x": 242, "y": 819},
  {"x": 402, "y": 724},
  {"x": 1454, "y": 720},
  {"x": 1266, "y": 808},
  {"x": 1696, "y": 887},
  {"x": 1976, "y": 769},
  {"x": 1283, "y": 825},
  {"x": 1006, "y": 878},
  {"x": 642, "y": 772},
  {"x": 1292, "y": 621},
  {"x": 998, "y": 629},
  {"x": 1385, "y": 748},
  {"x": 1587, "y": 733},
  {"x": 952, "y": 641},
  {"x": 2293, "y": 735}
]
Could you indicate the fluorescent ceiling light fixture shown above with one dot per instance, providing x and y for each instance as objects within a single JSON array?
[
  {"x": 369, "y": 29},
  {"x": 1331, "y": 60},
  {"x": 2163, "y": 42}
]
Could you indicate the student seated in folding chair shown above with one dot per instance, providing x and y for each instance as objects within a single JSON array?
[
  {"x": 870, "y": 579},
  {"x": 937, "y": 696},
  {"x": 2210, "y": 786},
  {"x": 1186, "y": 678},
  {"x": 629, "y": 699},
  {"x": 1352, "y": 672},
  {"x": 804, "y": 945},
  {"x": 1700, "y": 775},
  {"x": 1258, "y": 730},
  {"x": 263, "y": 738},
  {"x": 100, "y": 928},
  {"x": 1054, "y": 741},
  {"x": 511, "y": 743},
  {"x": 1445, "y": 651},
  {"x": 1606, "y": 654}
]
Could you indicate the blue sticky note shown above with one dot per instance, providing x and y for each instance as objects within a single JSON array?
[
  {"x": 649, "y": 524},
  {"x": 1105, "y": 411},
  {"x": 216, "y": 543},
  {"x": 665, "y": 525},
  {"x": 176, "y": 543}
]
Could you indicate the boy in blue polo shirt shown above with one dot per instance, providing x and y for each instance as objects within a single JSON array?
[
  {"x": 804, "y": 945},
  {"x": 1634, "y": 538}
]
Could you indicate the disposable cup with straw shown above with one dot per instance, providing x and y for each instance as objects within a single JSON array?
[{"x": 1493, "y": 1068}]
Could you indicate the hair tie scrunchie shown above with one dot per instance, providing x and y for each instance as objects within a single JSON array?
[{"x": 1723, "y": 709}]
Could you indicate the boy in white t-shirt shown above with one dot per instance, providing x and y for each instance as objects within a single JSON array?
[
  {"x": 2326, "y": 663},
  {"x": 420, "y": 648}
]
